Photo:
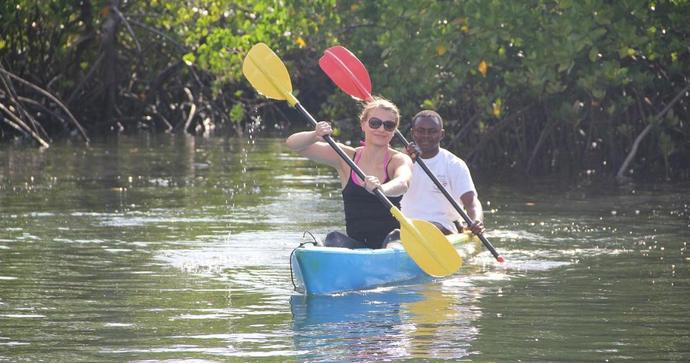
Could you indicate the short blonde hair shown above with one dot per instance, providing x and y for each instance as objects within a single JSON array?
[{"x": 379, "y": 102}]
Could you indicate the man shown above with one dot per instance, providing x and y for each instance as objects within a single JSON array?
[{"x": 423, "y": 200}]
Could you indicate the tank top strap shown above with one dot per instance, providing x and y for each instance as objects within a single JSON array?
[
  {"x": 387, "y": 161},
  {"x": 357, "y": 180}
]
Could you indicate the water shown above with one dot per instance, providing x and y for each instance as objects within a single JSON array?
[{"x": 173, "y": 248}]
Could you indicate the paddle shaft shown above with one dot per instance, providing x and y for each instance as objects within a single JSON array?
[{"x": 379, "y": 194}]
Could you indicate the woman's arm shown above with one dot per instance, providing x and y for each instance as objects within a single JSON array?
[
  {"x": 311, "y": 145},
  {"x": 401, "y": 166}
]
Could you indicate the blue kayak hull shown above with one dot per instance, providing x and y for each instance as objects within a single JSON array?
[{"x": 329, "y": 270}]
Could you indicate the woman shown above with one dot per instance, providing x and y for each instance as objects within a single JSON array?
[{"x": 368, "y": 221}]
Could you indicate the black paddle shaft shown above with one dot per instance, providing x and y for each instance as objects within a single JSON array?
[
  {"x": 382, "y": 197},
  {"x": 447, "y": 195}
]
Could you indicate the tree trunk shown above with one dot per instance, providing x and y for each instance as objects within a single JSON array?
[{"x": 109, "y": 46}]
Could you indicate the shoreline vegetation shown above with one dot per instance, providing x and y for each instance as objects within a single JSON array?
[{"x": 540, "y": 88}]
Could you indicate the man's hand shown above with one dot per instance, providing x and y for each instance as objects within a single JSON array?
[{"x": 477, "y": 227}]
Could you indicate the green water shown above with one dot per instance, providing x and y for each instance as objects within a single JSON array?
[{"x": 170, "y": 248}]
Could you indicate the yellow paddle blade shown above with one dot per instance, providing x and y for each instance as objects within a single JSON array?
[
  {"x": 267, "y": 74},
  {"x": 427, "y": 246}
]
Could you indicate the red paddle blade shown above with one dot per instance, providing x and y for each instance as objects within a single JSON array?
[{"x": 347, "y": 72}]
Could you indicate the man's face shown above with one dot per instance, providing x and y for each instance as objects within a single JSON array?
[{"x": 427, "y": 134}]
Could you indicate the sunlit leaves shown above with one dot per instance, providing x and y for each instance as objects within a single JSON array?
[
  {"x": 189, "y": 58},
  {"x": 300, "y": 42},
  {"x": 594, "y": 54},
  {"x": 219, "y": 32},
  {"x": 497, "y": 108},
  {"x": 428, "y": 104},
  {"x": 237, "y": 113},
  {"x": 483, "y": 68}
]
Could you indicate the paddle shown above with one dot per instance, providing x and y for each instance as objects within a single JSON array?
[
  {"x": 350, "y": 75},
  {"x": 425, "y": 244}
]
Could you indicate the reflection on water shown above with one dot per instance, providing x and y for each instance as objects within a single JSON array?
[
  {"x": 175, "y": 248},
  {"x": 352, "y": 327},
  {"x": 385, "y": 324}
]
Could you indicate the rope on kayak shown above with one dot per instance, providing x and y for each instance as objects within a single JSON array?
[{"x": 314, "y": 242}]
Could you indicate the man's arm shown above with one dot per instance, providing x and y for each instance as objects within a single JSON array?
[{"x": 474, "y": 210}]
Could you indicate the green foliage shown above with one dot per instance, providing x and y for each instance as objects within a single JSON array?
[
  {"x": 585, "y": 66},
  {"x": 540, "y": 81},
  {"x": 237, "y": 113}
]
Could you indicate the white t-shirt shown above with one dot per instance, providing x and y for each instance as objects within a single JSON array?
[{"x": 424, "y": 201}]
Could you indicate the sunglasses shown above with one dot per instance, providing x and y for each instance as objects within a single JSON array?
[{"x": 375, "y": 123}]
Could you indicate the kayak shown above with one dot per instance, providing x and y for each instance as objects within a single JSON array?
[{"x": 319, "y": 270}]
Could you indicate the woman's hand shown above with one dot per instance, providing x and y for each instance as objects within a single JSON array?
[
  {"x": 322, "y": 129},
  {"x": 371, "y": 183}
]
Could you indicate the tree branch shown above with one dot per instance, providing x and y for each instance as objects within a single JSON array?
[
  {"x": 20, "y": 125},
  {"x": 620, "y": 177},
  {"x": 52, "y": 98}
]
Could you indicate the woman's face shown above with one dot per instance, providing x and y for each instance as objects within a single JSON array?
[{"x": 376, "y": 126}]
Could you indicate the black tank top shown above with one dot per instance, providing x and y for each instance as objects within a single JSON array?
[{"x": 366, "y": 219}]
